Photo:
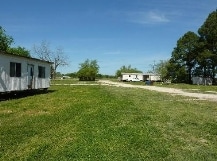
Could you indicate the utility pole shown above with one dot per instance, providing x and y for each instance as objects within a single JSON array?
[{"x": 153, "y": 66}]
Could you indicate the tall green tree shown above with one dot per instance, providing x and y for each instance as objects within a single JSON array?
[
  {"x": 186, "y": 51},
  {"x": 126, "y": 69},
  {"x": 161, "y": 68},
  {"x": 19, "y": 51},
  {"x": 5, "y": 45},
  {"x": 204, "y": 64},
  {"x": 88, "y": 70},
  {"x": 5, "y": 40},
  {"x": 176, "y": 71},
  {"x": 208, "y": 34}
]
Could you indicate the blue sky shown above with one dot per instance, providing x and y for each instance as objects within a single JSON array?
[{"x": 114, "y": 32}]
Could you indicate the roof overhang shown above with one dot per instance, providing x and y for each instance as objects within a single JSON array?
[{"x": 24, "y": 57}]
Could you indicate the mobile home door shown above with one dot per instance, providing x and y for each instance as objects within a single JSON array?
[{"x": 30, "y": 76}]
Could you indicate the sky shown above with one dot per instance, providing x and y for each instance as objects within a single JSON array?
[{"x": 139, "y": 33}]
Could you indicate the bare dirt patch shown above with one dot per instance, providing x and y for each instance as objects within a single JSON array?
[{"x": 200, "y": 96}]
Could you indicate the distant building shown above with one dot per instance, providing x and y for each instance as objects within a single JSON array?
[
  {"x": 66, "y": 77},
  {"x": 151, "y": 77},
  {"x": 140, "y": 77},
  {"x": 131, "y": 76},
  {"x": 201, "y": 81}
]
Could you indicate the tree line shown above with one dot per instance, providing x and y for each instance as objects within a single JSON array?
[{"x": 195, "y": 54}]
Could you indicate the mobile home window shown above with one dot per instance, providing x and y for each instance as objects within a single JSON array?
[
  {"x": 15, "y": 69},
  {"x": 41, "y": 72}
]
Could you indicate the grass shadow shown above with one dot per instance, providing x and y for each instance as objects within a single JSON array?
[{"x": 22, "y": 94}]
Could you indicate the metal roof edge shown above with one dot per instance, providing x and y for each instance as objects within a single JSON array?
[{"x": 20, "y": 56}]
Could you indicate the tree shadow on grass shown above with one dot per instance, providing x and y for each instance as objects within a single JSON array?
[{"x": 22, "y": 94}]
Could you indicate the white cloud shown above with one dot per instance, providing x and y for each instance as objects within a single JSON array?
[
  {"x": 155, "y": 17},
  {"x": 151, "y": 17}
]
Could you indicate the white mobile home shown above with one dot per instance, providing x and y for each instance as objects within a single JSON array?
[
  {"x": 140, "y": 77},
  {"x": 19, "y": 73},
  {"x": 151, "y": 77},
  {"x": 131, "y": 76}
]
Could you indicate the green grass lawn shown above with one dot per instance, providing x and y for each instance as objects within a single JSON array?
[
  {"x": 107, "y": 123},
  {"x": 190, "y": 87}
]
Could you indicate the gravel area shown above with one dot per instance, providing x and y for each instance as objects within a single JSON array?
[{"x": 200, "y": 96}]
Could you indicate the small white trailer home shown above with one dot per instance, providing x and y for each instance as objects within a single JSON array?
[
  {"x": 151, "y": 77},
  {"x": 131, "y": 77},
  {"x": 18, "y": 73}
]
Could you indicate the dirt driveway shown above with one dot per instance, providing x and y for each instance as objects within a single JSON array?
[{"x": 200, "y": 96}]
